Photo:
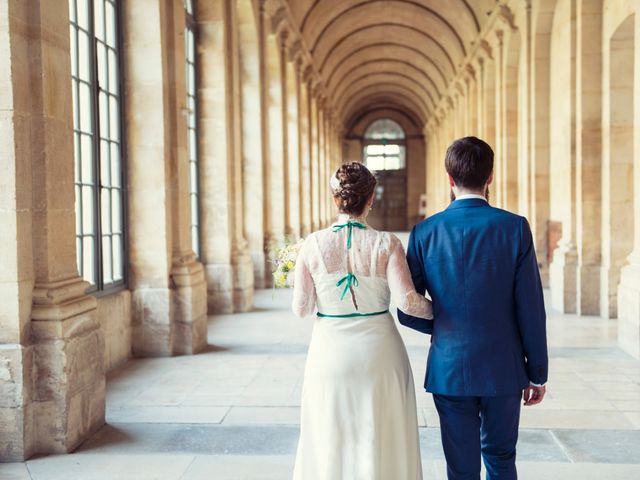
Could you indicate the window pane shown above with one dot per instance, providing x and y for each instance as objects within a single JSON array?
[
  {"x": 117, "y": 246},
  {"x": 101, "y": 63},
  {"x": 392, "y": 149},
  {"x": 72, "y": 10},
  {"x": 86, "y": 159},
  {"x": 114, "y": 119},
  {"x": 83, "y": 13},
  {"x": 116, "y": 221},
  {"x": 84, "y": 50},
  {"x": 98, "y": 20},
  {"x": 105, "y": 209},
  {"x": 375, "y": 163},
  {"x": 107, "y": 257},
  {"x": 116, "y": 175},
  {"x": 384, "y": 128},
  {"x": 375, "y": 149},
  {"x": 111, "y": 23},
  {"x": 392, "y": 163},
  {"x": 88, "y": 260},
  {"x": 74, "y": 49},
  {"x": 85, "y": 108},
  {"x": 87, "y": 211},
  {"x": 113, "y": 72}
]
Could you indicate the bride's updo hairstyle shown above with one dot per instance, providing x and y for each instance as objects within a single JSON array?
[{"x": 352, "y": 185}]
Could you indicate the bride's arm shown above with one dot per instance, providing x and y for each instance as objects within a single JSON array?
[
  {"x": 304, "y": 290},
  {"x": 403, "y": 292}
]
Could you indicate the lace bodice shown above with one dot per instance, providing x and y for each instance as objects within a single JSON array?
[{"x": 376, "y": 260}]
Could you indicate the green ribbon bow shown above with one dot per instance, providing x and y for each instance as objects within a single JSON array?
[
  {"x": 348, "y": 280},
  {"x": 349, "y": 225}
]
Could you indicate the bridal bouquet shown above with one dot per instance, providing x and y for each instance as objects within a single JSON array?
[{"x": 284, "y": 258}]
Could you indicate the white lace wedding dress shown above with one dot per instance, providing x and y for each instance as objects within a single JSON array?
[{"x": 358, "y": 419}]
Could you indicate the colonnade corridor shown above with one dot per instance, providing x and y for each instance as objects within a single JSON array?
[
  {"x": 232, "y": 411},
  {"x": 154, "y": 154}
]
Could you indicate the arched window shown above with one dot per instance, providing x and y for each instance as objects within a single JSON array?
[
  {"x": 384, "y": 145},
  {"x": 97, "y": 133},
  {"x": 192, "y": 123}
]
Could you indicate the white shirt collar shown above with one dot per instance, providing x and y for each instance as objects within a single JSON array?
[{"x": 470, "y": 195}]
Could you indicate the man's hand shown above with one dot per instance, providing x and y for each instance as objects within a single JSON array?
[{"x": 533, "y": 395}]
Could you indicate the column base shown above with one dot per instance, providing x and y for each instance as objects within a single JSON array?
[
  {"x": 562, "y": 279},
  {"x": 243, "y": 282},
  {"x": 190, "y": 298},
  {"x": 219, "y": 288},
  {"x": 17, "y": 439},
  {"x": 68, "y": 366},
  {"x": 609, "y": 280},
  {"x": 544, "y": 274},
  {"x": 629, "y": 310},
  {"x": 588, "y": 290},
  {"x": 172, "y": 321}
]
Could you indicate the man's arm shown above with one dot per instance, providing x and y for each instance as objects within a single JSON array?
[
  {"x": 530, "y": 310},
  {"x": 416, "y": 267}
]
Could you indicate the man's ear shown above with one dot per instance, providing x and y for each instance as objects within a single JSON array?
[
  {"x": 451, "y": 182},
  {"x": 490, "y": 180}
]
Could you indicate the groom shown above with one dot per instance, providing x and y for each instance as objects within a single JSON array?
[{"x": 488, "y": 345}]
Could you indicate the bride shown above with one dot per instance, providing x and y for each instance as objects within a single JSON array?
[{"x": 358, "y": 418}]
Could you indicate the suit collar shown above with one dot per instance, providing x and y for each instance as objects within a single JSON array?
[{"x": 468, "y": 202}]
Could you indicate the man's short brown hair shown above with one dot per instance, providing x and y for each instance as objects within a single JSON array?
[{"x": 469, "y": 161}]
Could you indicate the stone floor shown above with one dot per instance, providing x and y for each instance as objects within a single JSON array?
[{"x": 232, "y": 411}]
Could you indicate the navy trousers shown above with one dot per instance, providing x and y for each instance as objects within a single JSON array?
[{"x": 475, "y": 427}]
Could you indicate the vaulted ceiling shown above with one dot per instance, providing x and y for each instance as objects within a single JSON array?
[{"x": 388, "y": 53}]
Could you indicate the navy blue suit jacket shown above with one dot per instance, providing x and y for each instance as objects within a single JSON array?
[{"x": 479, "y": 266}]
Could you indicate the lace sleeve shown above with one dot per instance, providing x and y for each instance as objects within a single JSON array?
[
  {"x": 403, "y": 292},
  {"x": 304, "y": 290}
]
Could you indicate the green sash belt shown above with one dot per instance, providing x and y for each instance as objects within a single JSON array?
[{"x": 348, "y": 315}]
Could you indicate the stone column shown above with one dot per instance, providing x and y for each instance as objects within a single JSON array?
[
  {"x": 168, "y": 285},
  {"x": 322, "y": 206},
  {"x": 253, "y": 144},
  {"x": 284, "y": 112},
  {"x": 277, "y": 166},
  {"x": 562, "y": 270},
  {"x": 304, "y": 145},
  {"x": 291, "y": 115},
  {"x": 589, "y": 156},
  {"x": 539, "y": 139},
  {"x": 269, "y": 237},
  {"x": 52, "y": 380},
  {"x": 500, "y": 134},
  {"x": 313, "y": 149},
  {"x": 228, "y": 267}
]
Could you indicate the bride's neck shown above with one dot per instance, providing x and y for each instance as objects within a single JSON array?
[{"x": 344, "y": 217}]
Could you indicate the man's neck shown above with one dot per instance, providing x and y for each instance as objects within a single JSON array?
[{"x": 459, "y": 192}]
